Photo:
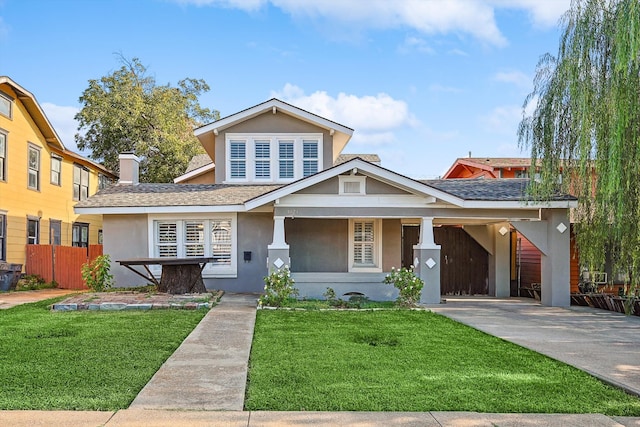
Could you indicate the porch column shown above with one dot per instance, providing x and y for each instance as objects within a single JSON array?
[
  {"x": 555, "y": 268},
  {"x": 427, "y": 263},
  {"x": 278, "y": 250},
  {"x": 500, "y": 262}
]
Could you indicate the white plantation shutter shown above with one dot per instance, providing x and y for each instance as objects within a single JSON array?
[
  {"x": 221, "y": 241},
  {"x": 363, "y": 243},
  {"x": 166, "y": 239},
  {"x": 193, "y": 238}
]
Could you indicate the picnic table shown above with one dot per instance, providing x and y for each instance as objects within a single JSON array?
[{"x": 179, "y": 275}]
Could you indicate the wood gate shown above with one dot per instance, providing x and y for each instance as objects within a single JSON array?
[
  {"x": 464, "y": 264},
  {"x": 60, "y": 263}
]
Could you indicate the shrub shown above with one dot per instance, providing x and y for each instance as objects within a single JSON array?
[
  {"x": 96, "y": 274},
  {"x": 278, "y": 288},
  {"x": 408, "y": 284},
  {"x": 32, "y": 282}
]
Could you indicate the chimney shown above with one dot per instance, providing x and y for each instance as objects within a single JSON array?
[{"x": 129, "y": 168}]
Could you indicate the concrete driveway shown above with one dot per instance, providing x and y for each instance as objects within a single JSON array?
[{"x": 600, "y": 342}]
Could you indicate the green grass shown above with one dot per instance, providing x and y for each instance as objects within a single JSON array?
[
  {"x": 86, "y": 360},
  {"x": 402, "y": 360},
  {"x": 317, "y": 304}
]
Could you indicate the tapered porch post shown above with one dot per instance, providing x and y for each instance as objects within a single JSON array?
[
  {"x": 278, "y": 250},
  {"x": 427, "y": 263}
]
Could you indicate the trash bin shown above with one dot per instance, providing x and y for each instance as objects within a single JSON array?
[{"x": 9, "y": 275}]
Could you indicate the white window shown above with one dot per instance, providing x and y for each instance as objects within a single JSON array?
[
  {"x": 352, "y": 185},
  {"x": 3, "y": 156},
  {"x": 309, "y": 157},
  {"x": 34, "y": 167},
  {"x": 286, "y": 159},
  {"x": 5, "y": 105},
  {"x": 272, "y": 157},
  {"x": 197, "y": 237},
  {"x": 263, "y": 159},
  {"x": 80, "y": 182},
  {"x": 365, "y": 245},
  {"x": 56, "y": 169},
  {"x": 33, "y": 231},
  {"x": 238, "y": 159}
]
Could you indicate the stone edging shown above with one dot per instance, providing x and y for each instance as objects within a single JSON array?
[{"x": 117, "y": 306}]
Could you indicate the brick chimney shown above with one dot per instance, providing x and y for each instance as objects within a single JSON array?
[{"x": 129, "y": 169}]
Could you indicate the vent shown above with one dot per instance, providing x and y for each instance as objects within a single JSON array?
[{"x": 351, "y": 187}]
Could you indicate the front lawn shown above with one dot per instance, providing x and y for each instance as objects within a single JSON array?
[
  {"x": 84, "y": 360},
  {"x": 403, "y": 360}
]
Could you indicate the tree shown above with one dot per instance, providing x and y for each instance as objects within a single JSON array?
[
  {"x": 126, "y": 111},
  {"x": 586, "y": 121}
]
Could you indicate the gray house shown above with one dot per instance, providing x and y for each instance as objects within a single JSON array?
[{"x": 281, "y": 195}]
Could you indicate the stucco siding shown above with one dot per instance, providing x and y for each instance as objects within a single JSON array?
[
  {"x": 318, "y": 245},
  {"x": 255, "y": 232},
  {"x": 125, "y": 236},
  {"x": 391, "y": 244}
]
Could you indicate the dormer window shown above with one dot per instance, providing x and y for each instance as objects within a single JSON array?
[{"x": 272, "y": 157}]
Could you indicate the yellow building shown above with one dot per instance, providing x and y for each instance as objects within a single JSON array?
[{"x": 41, "y": 181}]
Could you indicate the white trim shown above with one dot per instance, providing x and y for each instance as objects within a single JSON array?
[
  {"x": 370, "y": 169},
  {"x": 268, "y": 106},
  {"x": 377, "y": 241},
  {"x": 360, "y": 179},
  {"x": 209, "y": 271},
  {"x": 364, "y": 201},
  {"x": 196, "y": 172}
]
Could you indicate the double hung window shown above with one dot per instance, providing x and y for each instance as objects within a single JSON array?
[
  {"x": 3, "y": 156},
  {"x": 34, "y": 167},
  {"x": 56, "y": 169},
  {"x": 80, "y": 182}
]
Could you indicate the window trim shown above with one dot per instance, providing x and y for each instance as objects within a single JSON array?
[
  {"x": 80, "y": 186},
  {"x": 3, "y": 165},
  {"x": 377, "y": 246},
  {"x": 274, "y": 139},
  {"x": 80, "y": 226},
  {"x": 36, "y": 149},
  {"x": 3, "y": 235},
  {"x": 36, "y": 238},
  {"x": 10, "y": 100},
  {"x": 360, "y": 179},
  {"x": 209, "y": 271},
  {"x": 59, "y": 159}
]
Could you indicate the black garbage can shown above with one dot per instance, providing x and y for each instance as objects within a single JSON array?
[{"x": 9, "y": 275}]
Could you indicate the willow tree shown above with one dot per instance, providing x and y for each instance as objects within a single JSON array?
[
  {"x": 127, "y": 111},
  {"x": 586, "y": 125}
]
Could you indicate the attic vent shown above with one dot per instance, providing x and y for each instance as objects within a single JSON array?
[{"x": 350, "y": 185}]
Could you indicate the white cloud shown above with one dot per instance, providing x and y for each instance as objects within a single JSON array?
[
  {"x": 543, "y": 13},
  {"x": 415, "y": 44},
  {"x": 62, "y": 120},
  {"x": 375, "y": 118},
  {"x": 515, "y": 77},
  {"x": 502, "y": 119}
]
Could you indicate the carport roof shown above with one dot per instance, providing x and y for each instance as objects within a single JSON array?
[{"x": 499, "y": 189}]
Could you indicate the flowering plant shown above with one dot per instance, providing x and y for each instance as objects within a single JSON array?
[
  {"x": 409, "y": 285},
  {"x": 278, "y": 288}
]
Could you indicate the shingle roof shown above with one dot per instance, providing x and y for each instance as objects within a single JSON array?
[
  {"x": 198, "y": 161},
  {"x": 500, "y": 162},
  {"x": 503, "y": 190},
  {"x": 147, "y": 195},
  {"x": 343, "y": 158}
]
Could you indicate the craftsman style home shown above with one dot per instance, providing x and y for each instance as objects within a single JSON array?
[
  {"x": 275, "y": 192},
  {"x": 41, "y": 180}
]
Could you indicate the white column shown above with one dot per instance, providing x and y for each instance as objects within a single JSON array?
[
  {"x": 278, "y": 234},
  {"x": 426, "y": 235},
  {"x": 427, "y": 263}
]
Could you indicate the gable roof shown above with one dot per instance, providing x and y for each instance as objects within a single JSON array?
[
  {"x": 488, "y": 164},
  {"x": 36, "y": 112},
  {"x": 503, "y": 189},
  {"x": 371, "y": 158},
  {"x": 341, "y": 134},
  {"x": 198, "y": 165}
]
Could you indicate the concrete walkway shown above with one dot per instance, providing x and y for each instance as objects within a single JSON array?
[
  {"x": 209, "y": 369},
  {"x": 600, "y": 342}
]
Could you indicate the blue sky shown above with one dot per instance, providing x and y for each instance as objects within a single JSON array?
[{"x": 422, "y": 82}]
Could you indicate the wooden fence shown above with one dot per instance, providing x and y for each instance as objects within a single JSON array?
[{"x": 60, "y": 263}]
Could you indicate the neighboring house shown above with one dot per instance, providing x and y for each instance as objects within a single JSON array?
[
  {"x": 281, "y": 197},
  {"x": 526, "y": 256},
  {"x": 41, "y": 181}
]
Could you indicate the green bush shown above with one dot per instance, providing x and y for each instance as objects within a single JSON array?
[
  {"x": 96, "y": 274},
  {"x": 32, "y": 282},
  {"x": 408, "y": 284},
  {"x": 278, "y": 288}
]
